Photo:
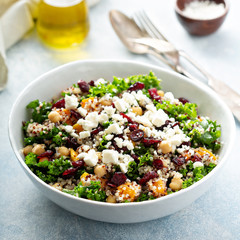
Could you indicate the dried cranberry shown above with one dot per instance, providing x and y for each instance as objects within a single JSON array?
[
  {"x": 136, "y": 86},
  {"x": 84, "y": 86},
  {"x": 72, "y": 143},
  {"x": 91, "y": 83},
  {"x": 137, "y": 135},
  {"x": 69, "y": 172},
  {"x": 196, "y": 158},
  {"x": 127, "y": 117},
  {"x": 97, "y": 130},
  {"x": 118, "y": 179},
  {"x": 150, "y": 141},
  {"x": 179, "y": 161},
  {"x": 154, "y": 95},
  {"x": 78, "y": 163},
  {"x": 183, "y": 100},
  {"x": 59, "y": 104},
  {"x": 133, "y": 126},
  {"x": 175, "y": 124},
  {"x": 158, "y": 163},
  {"x": 135, "y": 157},
  {"x": 47, "y": 154},
  {"x": 116, "y": 146},
  {"x": 147, "y": 177},
  {"x": 75, "y": 114},
  {"x": 167, "y": 122}
]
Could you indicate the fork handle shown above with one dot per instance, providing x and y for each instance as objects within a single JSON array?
[{"x": 194, "y": 63}]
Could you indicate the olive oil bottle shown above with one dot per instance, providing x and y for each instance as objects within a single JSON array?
[{"x": 62, "y": 23}]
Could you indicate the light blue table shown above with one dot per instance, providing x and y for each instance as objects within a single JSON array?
[{"x": 26, "y": 214}]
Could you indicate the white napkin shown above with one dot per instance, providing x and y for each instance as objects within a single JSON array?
[{"x": 16, "y": 19}]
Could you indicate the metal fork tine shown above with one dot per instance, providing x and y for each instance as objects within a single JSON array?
[{"x": 151, "y": 27}]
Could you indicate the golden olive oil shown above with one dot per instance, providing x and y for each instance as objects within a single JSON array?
[{"x": 62, "y": 23}]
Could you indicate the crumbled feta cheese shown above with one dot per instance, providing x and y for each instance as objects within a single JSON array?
[
  {"x": 119, "y": 142},
  {"x": 84, "y": 134},
  {"x": 159, "y": 118},
  {"x": 82, "y": 111},
  {"x": 68, "y": 128},
  {"x": 120, "y": 105},
  {"x": 100, "y": 81},
  {"x": 109, "y": 110},
  {"x": 128, "y": 144},
  {"x": 197, "y": 164},
  {"x": 114, "y": 128},
  {"x": 110, "y": 156},
  {"x": 91, "y": 158},
  {"x": 90, "y": 122},
  {"x": 71, "y": 102},
  {"x": 143, "y": 120},
  {"x": 130, "y": 99},
  {"x": 168, "y": 96},
  {"x": 123, "y": 167},
  {"x": 103, "y": 117},
  {"x": 109, "y": 137}
]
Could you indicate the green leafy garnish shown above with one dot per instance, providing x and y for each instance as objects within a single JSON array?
[
  {"x": 48, "y": 171},
  {"x": 40, "y": 110},
  {"x": 107, "y": 124},
  {"x": 181, "y": 112},
  {"x": 92, "y": 192},
  {"x": 145, "y": 197},
  {"x": 103, "y": 143}
]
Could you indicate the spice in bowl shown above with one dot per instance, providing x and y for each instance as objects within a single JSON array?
[
  {"x": 201, "y": 17},
  {"x": 203, "y": 10}
]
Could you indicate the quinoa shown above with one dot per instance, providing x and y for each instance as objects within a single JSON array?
[{"x": 119, "y": 142}]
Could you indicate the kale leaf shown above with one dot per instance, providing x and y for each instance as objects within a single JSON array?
[{"x": 40, "y": 110}]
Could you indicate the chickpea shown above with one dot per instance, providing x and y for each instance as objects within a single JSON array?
[
  {"x": 27, "y": 149},
  {"x": 38, "y": 149},
  {"x": 76, "y": 91},
  {"x": 176, "y": 184},
  {"x": 100, "y": 170},
  {"x": 63, "y": 151},
  {"x": 137, "y": 110},
  {"x": 106, "y": 102},
  {"x": 54, "y": 116},
  {"x": 160, "y": 93},
  {"x": 165, "y": 147},
  {"x": 111, "y": 199}
]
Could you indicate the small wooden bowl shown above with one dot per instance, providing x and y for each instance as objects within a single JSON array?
[{"x": 198, "y": 26}]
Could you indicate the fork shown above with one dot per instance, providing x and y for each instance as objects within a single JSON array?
[
  {"x": 230, "y": 97},
  {"x": 147, "y": 26}
]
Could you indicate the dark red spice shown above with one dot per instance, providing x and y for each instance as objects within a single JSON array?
[
  {"x": 47, "y": 154},
  {"x": 179, "y": 160},
  {"x": 127, "y": 117},
  {"x": 59, "y": 104},
  {"x": 183, "y": 100},
  {"x": 84, "y": 86},
  {"x": 158, "y": 163},
  {"x": 148, "y": 176},
  {"x": 78, "y": 163},
  {"x": 154, "y": 95},
  {"x": 136, "y": 86},
  {"x": 150, "y": 141},
  {"x": 117, "y": 179},
  {"x": 137, "y": 135}
]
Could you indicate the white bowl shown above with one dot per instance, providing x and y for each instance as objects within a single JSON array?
[{"x": 51, "y": 83}]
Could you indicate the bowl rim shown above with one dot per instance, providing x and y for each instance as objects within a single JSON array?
[
  {"x": 197, "y": 83},
  {"x": 180, "y": 12}
]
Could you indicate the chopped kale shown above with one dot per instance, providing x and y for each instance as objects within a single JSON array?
[
  {"x": 102, "y": 144},
  {"x": 145, "y": 197},
  {"x": 40, "y": 110},
  {"x": 92, "y": 192}
]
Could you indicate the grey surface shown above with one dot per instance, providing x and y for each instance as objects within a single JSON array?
[{"x": 26, "y": 214}]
